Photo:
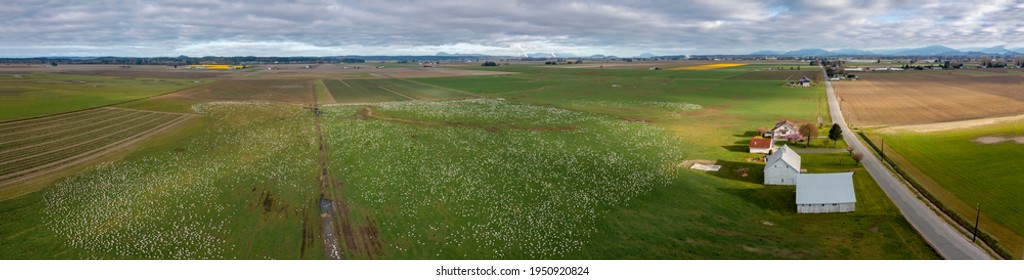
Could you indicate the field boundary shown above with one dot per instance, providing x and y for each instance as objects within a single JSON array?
[
  {"x": 441, "y": 87},
  {"x": 397, "y": 93},
  {"x": 963, "y": 224}
]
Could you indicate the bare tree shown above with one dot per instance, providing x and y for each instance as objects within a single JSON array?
[
  {"x": 857, "y": 156},
  {"x": 809, "y": 130},
  {"x": 850, "y": 150},
  {"x": 761, "y": 131}
]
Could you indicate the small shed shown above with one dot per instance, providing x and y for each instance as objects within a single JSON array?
[
  {"x": 825, "y": 193},
  {"x": 782, "y": 167},
  {"x": 760, "y": 145}
]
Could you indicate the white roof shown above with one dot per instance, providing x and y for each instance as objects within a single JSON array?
[
  {"x": 785, "y": 154},
  {"x": 825, "y": 188}
]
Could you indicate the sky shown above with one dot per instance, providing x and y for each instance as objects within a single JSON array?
[{"x": 508, "y": 27}]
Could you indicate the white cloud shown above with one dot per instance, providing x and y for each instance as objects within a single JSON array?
[{"x": 324, "y": 27}]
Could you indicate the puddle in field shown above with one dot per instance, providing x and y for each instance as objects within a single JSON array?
[{"x": 998, "y": 139}]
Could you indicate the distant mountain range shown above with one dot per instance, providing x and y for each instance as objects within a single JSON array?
[{"x": 924, "y": 51}]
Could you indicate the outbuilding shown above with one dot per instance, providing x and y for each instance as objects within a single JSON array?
[
  {"x": 782, "y": 167},
  {"x": 825, "y": 193},
  {"x": 760, "y": 145}
]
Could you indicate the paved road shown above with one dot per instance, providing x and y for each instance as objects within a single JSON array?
[{"x": 943, "y": 237}]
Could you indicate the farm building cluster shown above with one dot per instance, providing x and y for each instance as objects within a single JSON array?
[
  {"x": 802, "y": 82},
  {"x": 815, "y": 193}
]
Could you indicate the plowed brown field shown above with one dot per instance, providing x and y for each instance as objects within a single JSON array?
[{"x": 918, "y": 97}]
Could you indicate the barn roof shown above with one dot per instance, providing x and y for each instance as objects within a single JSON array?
[
  {"x": 760, "y": 143},
  {"x": 784, "y": 154},
  {"x": 825, "y": 188}
]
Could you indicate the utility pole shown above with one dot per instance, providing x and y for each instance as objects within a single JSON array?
[
  {"x": 976, "y": 220},
  {"x": 882, "y": 150}
]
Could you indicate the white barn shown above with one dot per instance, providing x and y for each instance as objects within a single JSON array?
[
  {"x": 825, "y": 193},
  {"x": 782, "y": 167}
]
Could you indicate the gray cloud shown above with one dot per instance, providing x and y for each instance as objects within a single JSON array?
[{"x": 149, "y": 28}]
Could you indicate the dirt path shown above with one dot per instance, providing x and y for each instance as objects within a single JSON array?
[
  {"x": 10, "y": 179},
  {"x": 329, "y": 230},
  {"x": 944, "y": 126}
]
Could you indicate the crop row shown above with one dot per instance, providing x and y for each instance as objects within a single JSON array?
[
  {"x": 41, "y": 128},
  {"x": 55, "y": 133},
  {"x": 14, "y": 126},
  {"x": 238, "y": 191},
  {"x": 40, "y": 157},
  {"x": 64, "y": 139}
]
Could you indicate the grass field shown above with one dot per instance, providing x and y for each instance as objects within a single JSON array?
[
  {"x": 244, "y": 187},
  {"x": 31, "y": 148},
  {"x": 296, "y": 91},
  {"x": 567, "y": 164},
  {"x": 33, "y": 95},
  {"x": 961, "y": 170},
  {"x": 383, "y": 90}
]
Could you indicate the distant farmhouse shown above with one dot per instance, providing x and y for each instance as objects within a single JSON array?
[
  {"x": 782, "y": 167},
  {"x": 825, "y": 193},
  {"x": 802, "y": 82}
]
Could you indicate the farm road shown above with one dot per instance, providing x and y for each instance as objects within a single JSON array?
[{"x": 940, "y": 235}]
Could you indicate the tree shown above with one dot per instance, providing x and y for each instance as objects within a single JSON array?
[
  {"x": 857, "y": 156},
  {"x": 835, "y": 133},
  {"x": 761, "y": 131},
  {"x": 489, "y": 63},
  {"x": 809, "y": 130},
  {"x": 794, "y": 136},
  {"x": 850, "y": 150}
]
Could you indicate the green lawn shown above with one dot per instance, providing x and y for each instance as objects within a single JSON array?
[
  {"x": 963, "y": 173},
  {"x": 32, "y": 95}
]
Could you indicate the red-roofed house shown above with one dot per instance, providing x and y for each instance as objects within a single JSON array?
[{"x": 760, "y": 145}]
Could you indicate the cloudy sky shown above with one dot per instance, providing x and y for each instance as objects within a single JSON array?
[{"x": 507, "y": 27}]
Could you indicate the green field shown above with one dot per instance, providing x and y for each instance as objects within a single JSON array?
[
  {"x": 384, "y": 90},
  {"x": 553, "y": 164},
  {"x": 243, "y": 187},
  {"x": 33, "y": 95},
  {"x": 962, "y": 173}
]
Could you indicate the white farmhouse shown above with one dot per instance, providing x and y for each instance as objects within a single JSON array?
[
  {"x": 825, "y": 193},
  {"x": 782, "y": 167},
  {"x": 782, "y": 129}
]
